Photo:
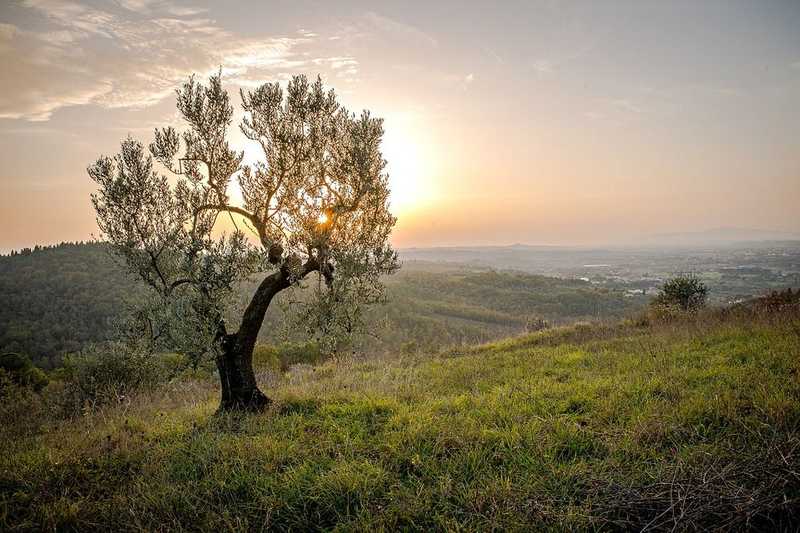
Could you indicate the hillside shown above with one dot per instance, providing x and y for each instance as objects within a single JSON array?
[
  {"x": 57, "y": 299},
  {"x": 432, "y": 305},
  {"x": 692, "y": 423}
]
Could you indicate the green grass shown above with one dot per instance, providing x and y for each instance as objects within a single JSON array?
[{"x": 691, "y": 423}]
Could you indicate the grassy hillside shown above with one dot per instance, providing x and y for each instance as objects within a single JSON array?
[
  {"x": 692, "y": 423},
  {"x": 57, "y": 299}
]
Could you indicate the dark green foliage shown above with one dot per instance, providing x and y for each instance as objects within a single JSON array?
[
  {"x": 57, "y": 299},
  {"x": 778, "y": 300},
  {"x": 19, "y": 369},
  {"x": 265, "y": 358},
  {"x": 685, "y": 292},
  {"x": 308, "y": 353}
]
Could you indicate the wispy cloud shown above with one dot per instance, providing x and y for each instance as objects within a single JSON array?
[
  {"x": 386, "y": 26},
  {"x": 467, "y": 81},
  {"x": 133, "y": 54},
  {"x": 627, "y": 105},
  {"x": 373, "y": 31},
  {"x": 493, "y": 55},
  {"x": 543, "y": 68},
  {"x": 7, "y": 31},
  {"x": 594, "y": 115}
]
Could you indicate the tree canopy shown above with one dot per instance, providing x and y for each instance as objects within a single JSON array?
[{"x": 316, "y": 201}]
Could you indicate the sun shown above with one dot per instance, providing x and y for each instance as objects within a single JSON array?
[
  {"x": 408, "y": 164},
  {"x": 407, "y": 149}
]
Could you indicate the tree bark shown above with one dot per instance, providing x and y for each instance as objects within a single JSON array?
[{"x": 240, "y": 391}]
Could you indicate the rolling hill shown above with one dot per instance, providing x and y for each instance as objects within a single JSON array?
[{"x": 55, "y": 300}]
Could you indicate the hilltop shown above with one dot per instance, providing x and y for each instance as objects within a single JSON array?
[{"x": 691, "y": 422}]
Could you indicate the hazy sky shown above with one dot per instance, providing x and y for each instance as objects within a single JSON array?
[{"x": 535, "y": 122}]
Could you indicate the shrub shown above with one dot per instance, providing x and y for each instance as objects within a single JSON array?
[
  {"x": 534, "y": 324},
  {"x": 292, "y": 353},
  {"x": 20, "y": 409},
  {"x": 778, "y": 300},
  {"x": 108, "y": 373},
  {"x": 409, "y": 348},
  {"x": 284, "y": 355},
  {"x": 18, "y": 369},
  {"x": 686, "y": 292},
  {"x": 266, "y": 357}
]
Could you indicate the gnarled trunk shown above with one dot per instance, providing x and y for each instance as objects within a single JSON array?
[{"x": 240, "y": 391}]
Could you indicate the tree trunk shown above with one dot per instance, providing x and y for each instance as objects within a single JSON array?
[{"x": 240, "y": 391}]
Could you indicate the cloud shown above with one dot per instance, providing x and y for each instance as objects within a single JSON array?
[
  {"x": 493, "y": 55},
  {"x": 133, "y": 54},
  {"x": 151, "y": 6},
  {"x": 386, "y": 26},
  {"x": 627, "y": 105},
  {"x": 373, "y": 32},
  {"x": 543, "y": 68},
  {"x": 7, "y": 32},
  {"x": 466, "y": 81}
]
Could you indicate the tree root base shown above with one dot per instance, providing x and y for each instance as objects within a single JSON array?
[{"x": 252, "y": 402}]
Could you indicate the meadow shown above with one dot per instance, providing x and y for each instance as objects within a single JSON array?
[{"x": 688, "y": 422}]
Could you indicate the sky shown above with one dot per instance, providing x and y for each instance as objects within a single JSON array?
[{"x": 537, "y": 122}]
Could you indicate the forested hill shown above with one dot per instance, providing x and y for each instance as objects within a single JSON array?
[{"x": 56, "y": 299}]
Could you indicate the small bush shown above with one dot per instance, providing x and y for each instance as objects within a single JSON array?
[
  {"x": 534, "y": 324},
  {"x": 266, "y": 357},
  {"x": 20, "y": 409},
  {"x": 19, "y": 369},
  {"x": 109, "y": 373},
  {"x": 685, "y": 292},
  {"x": 309, "y": 353},
  {"x": 281, "y": 357},
  {"x": 409, "y": 348},
  {"x": 778, "y": 300}
]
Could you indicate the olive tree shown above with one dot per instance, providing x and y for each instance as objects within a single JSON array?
[
  {"x": 317, "y": 201},
  {"x": 684, "y": 292}
]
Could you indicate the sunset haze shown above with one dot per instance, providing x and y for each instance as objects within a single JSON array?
[{"x": 531, "y": 122}]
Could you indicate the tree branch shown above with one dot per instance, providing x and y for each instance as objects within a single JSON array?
[
  {"x": 254, "y": 314},
  {"x": 257, "y": 223}
]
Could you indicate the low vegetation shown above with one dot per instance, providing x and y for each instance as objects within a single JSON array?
[{"x": 690, "y": 422}]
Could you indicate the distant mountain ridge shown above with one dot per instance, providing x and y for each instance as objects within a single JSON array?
[{"x": 725, "y": 235}]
